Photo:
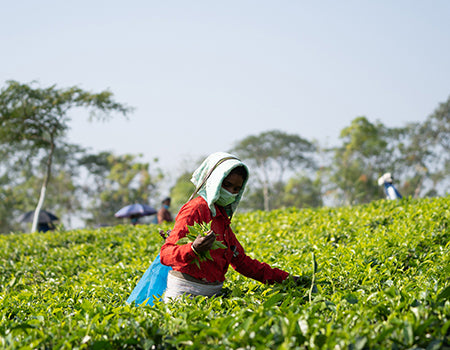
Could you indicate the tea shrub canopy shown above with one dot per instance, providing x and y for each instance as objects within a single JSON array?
[{"x": 383, "y": 280}]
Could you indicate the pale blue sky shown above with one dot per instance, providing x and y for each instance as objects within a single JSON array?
[{"x": 205, "y": 74}]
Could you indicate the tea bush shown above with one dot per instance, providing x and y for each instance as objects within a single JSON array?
[{"x": 382, "y": 275}]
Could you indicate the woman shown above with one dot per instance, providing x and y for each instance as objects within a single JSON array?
[{"x": 220, "y": 181}]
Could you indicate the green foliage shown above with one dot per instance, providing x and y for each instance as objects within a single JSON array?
[
  {"x": 36, "y": 120},
  {"x": 39, "y": 116},
  {"x": 360, "y": 160},
  {"x": 271, "y": 154},
  {"x": 301, "y": 192},
  {"x": 201, "y": 229},
  {"x": 116, "y": 181},
  {"x": 382, "y": 275},
  {"x": 182, "y": 190},
  {"x": 22, "y": 177},
  {"x": 426, "y": 145}
]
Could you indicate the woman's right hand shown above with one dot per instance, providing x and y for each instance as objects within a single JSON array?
[{"x": 203, "y": 243}]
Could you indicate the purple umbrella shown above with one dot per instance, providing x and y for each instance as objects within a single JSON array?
[{"x": 135, "y": 210}]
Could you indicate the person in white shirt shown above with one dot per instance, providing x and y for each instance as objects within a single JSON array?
[{"x": 389, "y": 188}]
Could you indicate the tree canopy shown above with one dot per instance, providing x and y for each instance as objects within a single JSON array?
[
  {"x": 285, "y": 169},
  {"x": 36, "y": 119},
  {"x": 272, "y": 153},
  {"x": 116, "y": 181},
  {"x": 359, "y": 161}
]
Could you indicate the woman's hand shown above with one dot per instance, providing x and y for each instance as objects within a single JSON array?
[
  {"x": 305, "y": 282},
  {"x": 302, "y": 280},
  {"x": 203, "y": 243}
]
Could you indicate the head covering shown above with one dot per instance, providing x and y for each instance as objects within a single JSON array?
[
  {"x": 217, "y": 165},
  {"x": 385, "y": 178}
]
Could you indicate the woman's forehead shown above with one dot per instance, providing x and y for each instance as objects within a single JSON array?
[{"x": 235, "y": 179}]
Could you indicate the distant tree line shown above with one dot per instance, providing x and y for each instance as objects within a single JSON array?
[
  {"x": 39, "y": 168},
  {"x": 288, "y": 170}
]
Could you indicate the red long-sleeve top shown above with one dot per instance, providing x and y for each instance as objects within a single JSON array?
[{"x": 181, "y": 257}]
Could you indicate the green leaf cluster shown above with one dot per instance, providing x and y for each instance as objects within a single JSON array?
[
  {"x": 201, "y": 229},
  {"x": 382, "y": 272}
]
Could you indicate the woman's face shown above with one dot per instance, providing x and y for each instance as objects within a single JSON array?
[{"x": 233, "y": 183}]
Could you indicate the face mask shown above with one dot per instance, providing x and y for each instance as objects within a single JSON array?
[
  {"x": 166, "y": 206},
  {"x": 225, "y": 197}
]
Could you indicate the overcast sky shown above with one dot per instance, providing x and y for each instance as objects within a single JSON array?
[{"x": 203, "y": 75}]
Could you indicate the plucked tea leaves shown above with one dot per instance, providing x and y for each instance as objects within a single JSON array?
[{"x": 201, "y": 229}]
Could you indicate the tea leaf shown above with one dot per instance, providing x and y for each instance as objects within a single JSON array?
[{"x": 382, "y": 270}]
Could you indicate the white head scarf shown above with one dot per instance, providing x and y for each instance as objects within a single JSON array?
[
  {"x": 387, "y": 177},
  {"x": 210, "y": 190}
]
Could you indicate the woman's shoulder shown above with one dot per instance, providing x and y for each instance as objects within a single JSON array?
[
  {"x": 197, "y": 202},
  {"x": 197, "y": 207}
]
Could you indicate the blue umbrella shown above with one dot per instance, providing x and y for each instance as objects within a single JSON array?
[
  {"x": 135, "y": 210},
  {"x": 44, "y": 217}
]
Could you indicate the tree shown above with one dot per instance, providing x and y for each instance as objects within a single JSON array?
[
  {"x": 116, "y": 181},
  {"x": 357, "y": 164},
  {"x": 253, "y": 198},
  {"x": 302, "y": 192},
  {"x": 37, "y": 119},
  {"x": 182, "y": 190},
  {"x": 299, "y": 191},
  {"x": 427, "y": 150},
  {"x": 8, "y": 200},
  {"x": 21, "y": 179},
  {"x": 272, "y": 154},
  {"x": 63, "y": 196}
]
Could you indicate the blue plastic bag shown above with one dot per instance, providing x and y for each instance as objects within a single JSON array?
[{"x": 152, "y": 284}]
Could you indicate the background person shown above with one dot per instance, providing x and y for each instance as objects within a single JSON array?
[
  {"x": 389, "y": 189},
  {"x": 134, "y": 219},
  {"x": 164, "y": 214},
  {"x": 45, "y": 226}
]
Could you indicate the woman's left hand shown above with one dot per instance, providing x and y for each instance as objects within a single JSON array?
[{"x": 204, "y": 243}]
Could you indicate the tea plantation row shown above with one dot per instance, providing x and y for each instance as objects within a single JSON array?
[{"x": 382, "y": 274}]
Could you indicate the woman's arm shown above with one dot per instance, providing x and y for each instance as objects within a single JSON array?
[
  {"x": 173, "y": 254},
  {"x": 253, "y": 268}
]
